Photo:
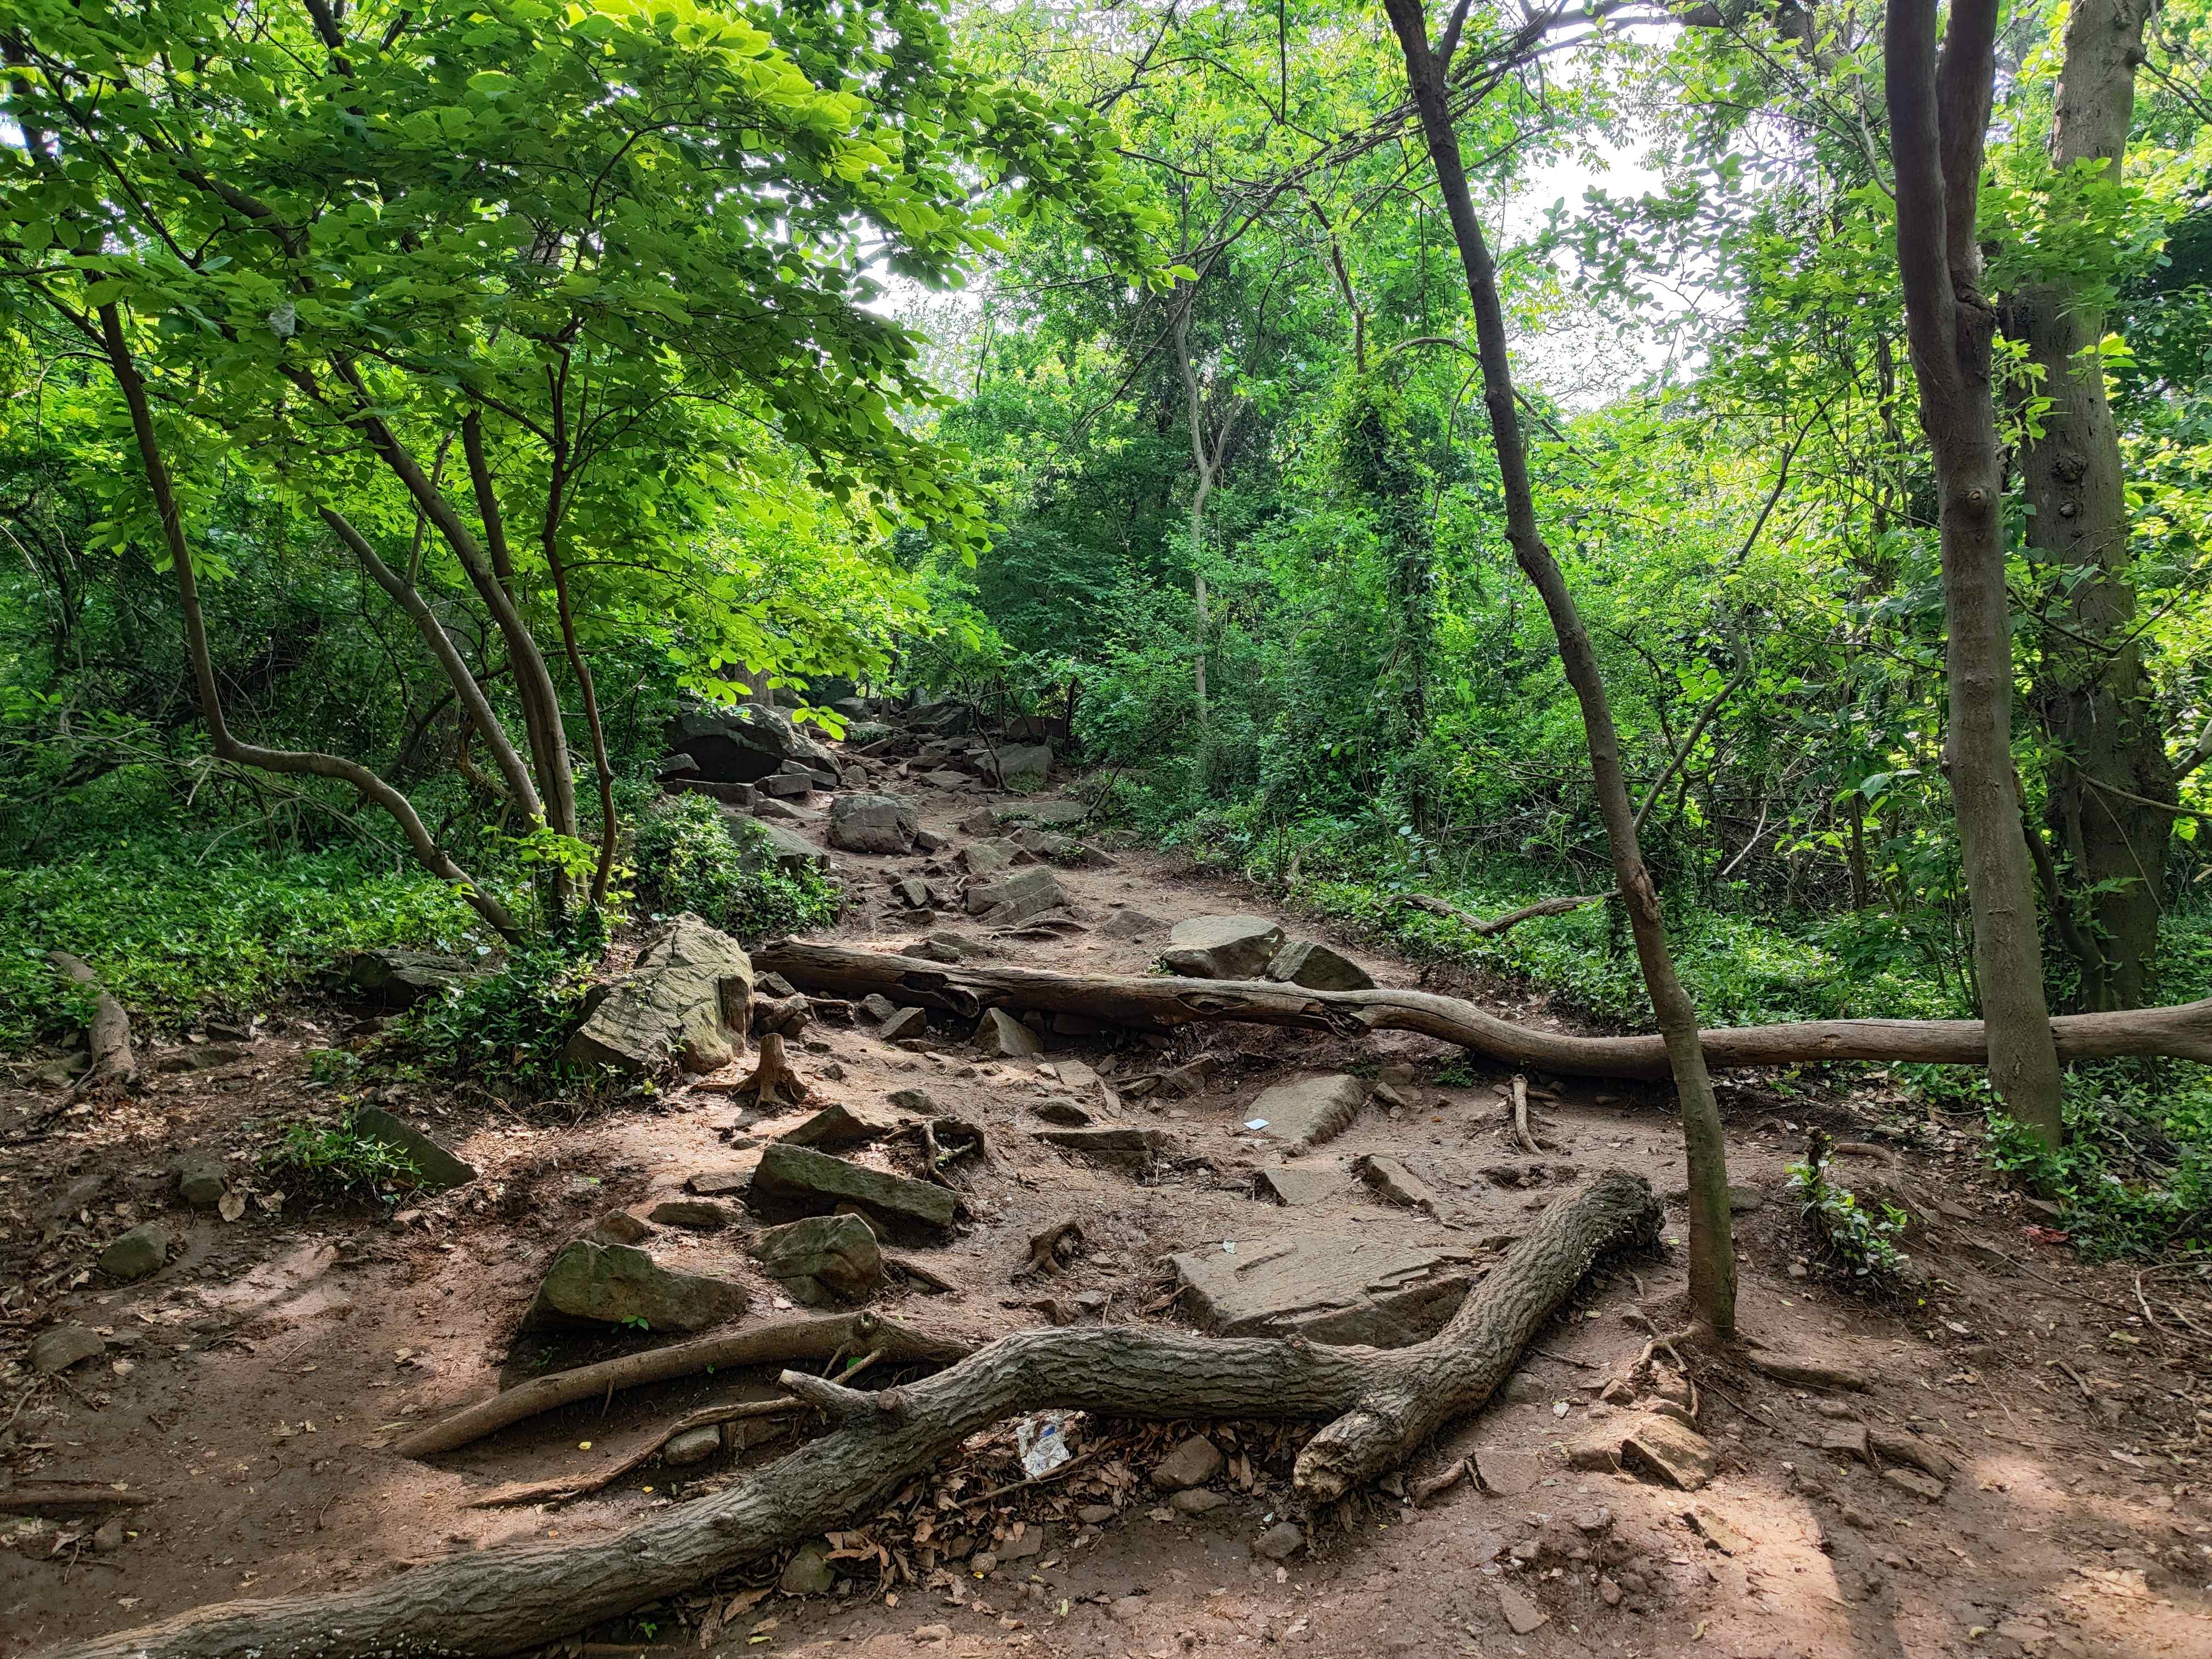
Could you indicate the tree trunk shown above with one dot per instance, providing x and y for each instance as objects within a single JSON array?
[
  {"x": 1382, "y": 1404},
  {"x": 107, "y": 1039},
  {"x": 2094, "y": 698},
  {"x": 1149, "y": 1002},
  {"x": 1712, "y": 1250},
  {"x": 1207, "y": 455},
  {"x": 1937, "y": 115}
]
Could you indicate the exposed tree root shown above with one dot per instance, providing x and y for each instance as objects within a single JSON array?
[
  {"x": 115, "y": 1061},
  {"x": 1382, "y": 1405},
  {"x": 2184, "y": 1030},
  {"x": 1523, "y": 1137},
  {"x": 559, "y": 1489}
]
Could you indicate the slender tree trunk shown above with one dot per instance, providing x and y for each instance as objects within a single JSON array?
[
  {"x": 432, "y": 856},
  {"x": 557, "y": 569},
  {"x": 1712, "y": 1250},
  {"x": 2094, "y": 697},
  {"x": 1207, "y": 458},
  {"x": 1937, "y": 116}
]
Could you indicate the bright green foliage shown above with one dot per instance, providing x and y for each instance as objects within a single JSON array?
[
  {"x": 508, "y": 1026},
  {"x": 692, "y": 855},
  {"x": 1850, "y": 1234},
  {"x": 337, "y": 1158},
  {"x": 2135, "y": 1175}
]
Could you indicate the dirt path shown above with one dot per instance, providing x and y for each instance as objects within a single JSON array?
[{"x": 249, "y": 1389}]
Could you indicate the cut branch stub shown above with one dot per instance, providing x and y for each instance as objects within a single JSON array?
[{"x": 1384, "y": 1403}]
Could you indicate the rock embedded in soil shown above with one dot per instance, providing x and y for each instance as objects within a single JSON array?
[
  {"x": 1064, "y": 1113},
  {"x": 988, "y": 858},
  {"x": 137, "y": 1253},
  {"x": 1506, "y": 1472},
  {"x": 1392, "y": 1181},
  {"x": 692, "y": 1446},
  {"x": 618, "y": 1227},
  {"x": 719, "y": 1183},
  {"x": 590, "y": 1283},
  {"x": 1651, "y": 1444},
  {"x": 687, "y": 1001},
  {"x": 1109, "y": 1139},
  {"x": 788, "y": 850},
  {"x": 1314, "y": 965},
  {"x": 852, "y": 1124},
  {"x": 1912, "y": 1480},
  {"x": 65, "y": 1346},
  {"x": 435, "y": 1167},
  {"x": 1522, "y": 1614},
  {"x": 201, "y": 1181},
  {"x": 1298, "y": 1184},
  {"x": 1221, "y": 947},
  {"x": 1280, "y": 1541},
  {"x": 1199, "y": 1500},
  {"x": 1001, "y": 1036},
  {"x": 1016, "y": 896},
  {"x": 400, "y": 979},
  {"x": 906, "y": 1023},
  {"x": 823, "y": 1258},
  {"x": 1309, "y": 1110},
  {"x": 873, "y": 823},
  {"x": 1132, "y": 924},
  {"x": 1328, "y": 1287},
  {"x": 795, "y": 1177},
  {"x": 808, "y": 1572},
  {"x": 697, "y": 1215},
  {"x": 1194, "y": 1461},
  {"x": 878, "y": 1006}
]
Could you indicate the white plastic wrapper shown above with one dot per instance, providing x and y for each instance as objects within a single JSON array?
[{"x": 1041, "y": 1440}]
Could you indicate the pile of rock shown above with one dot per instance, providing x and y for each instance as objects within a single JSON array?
[{"x": 1253, "y": 947}]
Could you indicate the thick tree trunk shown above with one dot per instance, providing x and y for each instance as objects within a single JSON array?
[
  {"x": 1937, "y": 116},
  {"x": 1147, "y": 1002},
  {"x": 1382, "y": 1404},
  {"x": 1713, "y": 1250},
  {"x": 107, "y": 1039},
  {"x": 2094, "y": 698}
]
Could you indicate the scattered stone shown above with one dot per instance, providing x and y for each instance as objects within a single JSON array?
[
  {"x": 619, "y": 1227},
  {"x": 692, "y": 1446},
  {"x": 1221, "y": 947},
  {"x": 787, "y": 786},
  {"x": 1672, "y": 1450},
  {"x": 1064, "y": 1114},
  {"x": 1608, "y": 1592},
  {"x": 202, "y": 1057},
  {"x": 853, "y": 1124},
  {"x": 1017, "y": 897},
  {"x": 1507, "y": 1474},
  {"x": 878, "y": 1006},
  {"x": 1314, "y": 965},
  {"x": 1095, "y": 1515},
  {"x": 1296, "y": 1184},
  {"x": 1280, "y": 1541},
  {"x": 110, "y": 1535},
  {"x": 201, "y": 1181},
  {"x": 1811, "y": 1370},
  {"x": 400, "y": 979},
  {"x": 1199, "y": 1500},
  {"x": 719, "y": 1183},
  {"x": 1001, "y": 1036},
  {"x": 590, "y": 1282},
  {"x": 1849, "y": 1440},
  {"x": 435, "y": 1167},
  {"x": 1309, "y": 1110},
  {"x": 873, "y": 823},
  {"x": 1107, "y": 1140},
  {"x": 1327, "y": 1287},
  {"x": 1912, "y": 1480},
  {"x": 1522, "y": 1614},
  {"x": 988, "y": 858},
  {"x": 1718, "y": 1531},
  {"x": 906, "y": 1023},
  {"x": 773, "y": 844},
  {"x": 1395, "y": 1183},
  {"x": 796, "y": 1177},
  {"x": 928, "y": 841},
  {"x": 1591, "y": 1523},
  {"x": 1899, "y": 1447},
  {"x": 1195, "y": 1461},
  {"x": 808, "y": 1572},
  {"x": 823, "y": 1258},
  {"x": 696, "y": 1214},
  {"x": 65, "y": 1346},
  {"x": 137, "y": 1253},
  {"x": 1132, "y": 924},
  {"x": 687, "y": 1001}
]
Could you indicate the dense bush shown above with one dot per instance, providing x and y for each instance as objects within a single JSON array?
[{"x": 692, "y": 855}]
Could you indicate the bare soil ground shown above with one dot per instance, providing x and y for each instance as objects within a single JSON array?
[{"x": 250, "y": 1389}]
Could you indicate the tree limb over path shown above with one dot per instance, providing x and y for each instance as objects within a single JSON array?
[
  {"x": 2183, "y": 1031},
  {"x": 1382, "y": 1404}
]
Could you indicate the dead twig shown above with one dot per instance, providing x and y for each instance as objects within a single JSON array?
[{"x": 1522, "y": 1136}]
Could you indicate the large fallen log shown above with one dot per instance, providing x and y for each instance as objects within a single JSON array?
[
  {"x": 1382, "y": 1404},
  {"x": 2183, "y": 1031},
  {"x": 115, "y": 1061}
]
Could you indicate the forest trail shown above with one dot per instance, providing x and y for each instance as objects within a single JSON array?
[{"x": 257, "y": 1382}]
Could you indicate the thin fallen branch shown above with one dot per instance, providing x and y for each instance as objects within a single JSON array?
[
  {"x": 2183, "y": 1031},
  {"x": 115, "y": 1061},
  {"x": 776, "y": 1344},
  {"x": 1497, "y": 925},
  {"x": 1521, "y": 1135},
  {"x": 559, "y": 1489},
  {"x": 1381, "y": 1406}
]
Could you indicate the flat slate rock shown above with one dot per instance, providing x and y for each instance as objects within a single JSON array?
[
  {"x": 721, "y": 1183},
  {"x": 1017, "y": 896},
  {"x": 437, "y": 1168},
  {"x": 1328, "y": 1287},
  {"x": 1043, "y": 811},
  {"x": 1317, "y": 968},
  {"x": 1296, "y": 1184},
  {"x": 1221, "y": 947},
  {"x": 590, "y": 1282},
  {"x": 1002, "y": 1036},
  {"x": 847, "y": 1125},
  {"x": 1309, "y": 1111},
  {"x": 1110, "y": 1138},
  {"x": 1392, "y": 1181},
  {"x": 686, "y": 1001},
  {"x": 798, "y": 1178},
  {"x": 400, "y": 979},
  {"x": 823, "y": 1258}
]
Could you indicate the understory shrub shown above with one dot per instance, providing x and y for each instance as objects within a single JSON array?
[{"x": 692, "y": 855}]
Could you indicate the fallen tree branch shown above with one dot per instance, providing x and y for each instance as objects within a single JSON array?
[
  {"x": 559, "y": 1489},
  {"x": 776, "y": 1344},
  {"x": 1381, "y": 1404},
  {"x": 108, "y": 1037},
  {"x": 2183, "y": 1031},
  {"x": 1521, "y": 1135},
  {"x": 1497, "y": 925}
]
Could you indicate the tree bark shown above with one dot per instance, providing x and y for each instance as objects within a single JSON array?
[
  {"x": 1382, "y": 1404},
  {"x": 2094, "y": 694},
  {"x": 1712, "y": 1250},
  {"x": 1147, "y": 1002},
  {"x": 1209, "y": 456},
  {"x": 1937, "y": 114},
  {"x": 107, "y": 1039}
]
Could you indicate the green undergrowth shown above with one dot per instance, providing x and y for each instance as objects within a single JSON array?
[
  {"x": 692, "y": 855},
  {"x": 337, "y": 1158},
  {"x": 509, "y": 1026},
  {"x": 178, "y": 928}
]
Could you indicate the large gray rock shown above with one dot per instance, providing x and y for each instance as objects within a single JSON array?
[
  {"x": 590, "y": 1282},
  {"x": 1309, "y": 1111},
  {"x": 795, "y": 1178},
  {"x": 137, "y": 1253},
  {"x": 1303, "y": 962},
  {"x": 823, "y": 1258},
  {"x": 62, "y": 1346},
  {"x": 948, "y": 719},
  {"x": 761, "y": 843},
  {"x": 745, "y": 744},
  {"x": 687, "y": 1002},
  {"x": 1016, "y": 896},
  {"x": 1221, "y": 947},
  {"x": 848, "y": 1125},
  {"x": 1349, "y": 1288},
  {"x": 201, "y": 1180},
  {"x": 1019, "y": 766},
  {"x": 400, "y": 979},
  {"x": 1002, "y": 1036},
  {"x": 435, "y": 1167},
  {"x": 873, "y": 823},
  {"x": 988, "y": 858},
  {"x": 1038, "y": 812}
]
